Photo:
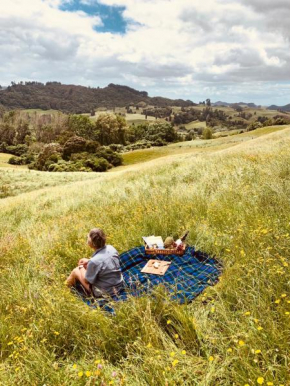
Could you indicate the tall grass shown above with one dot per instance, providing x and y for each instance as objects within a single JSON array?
[
  {"x": 16, "y": 181},
  {"x": 235, "y": 203}
]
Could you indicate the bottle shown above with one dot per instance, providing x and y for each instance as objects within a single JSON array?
[{"x": 179, "y": 242}]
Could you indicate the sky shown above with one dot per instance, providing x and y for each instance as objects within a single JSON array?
[{"x": 227, "y": 50}]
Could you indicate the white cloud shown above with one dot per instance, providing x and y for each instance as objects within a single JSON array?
[{"x": 173, "y": 47}]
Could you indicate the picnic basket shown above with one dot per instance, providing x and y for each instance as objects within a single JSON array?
[{"x": 157, "y": 251}]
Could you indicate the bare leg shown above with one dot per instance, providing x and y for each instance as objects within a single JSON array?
[{"x": 78, "y": 274}]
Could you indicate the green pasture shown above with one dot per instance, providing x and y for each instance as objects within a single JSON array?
[
  {"x": 232, "y": 194},
  {"x": 137, "y": 118},
  {"x": 196, "y": 146},
  {"x": 41, "y": 112},
  {"x": 16, "y": 180},
  {"x": 194, "y": 125},
  {"x": 4, "y": 158}
]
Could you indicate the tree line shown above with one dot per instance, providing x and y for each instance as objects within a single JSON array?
[
  {"x": 77, "y": 99},
  {"x": 60, "y": 142}
]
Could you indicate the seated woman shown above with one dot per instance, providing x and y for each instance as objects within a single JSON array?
[{"x": 101, "y": 275}]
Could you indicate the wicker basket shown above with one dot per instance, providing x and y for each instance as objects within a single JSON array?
[{"x": 156, "y": 251}]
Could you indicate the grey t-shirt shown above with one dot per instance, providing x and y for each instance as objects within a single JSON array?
[{"x": 104, "y": 271}]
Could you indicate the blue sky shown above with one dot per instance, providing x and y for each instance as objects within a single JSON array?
[
  {"x": 111, "y": 16},
  {"x": 228, "y": 50}
]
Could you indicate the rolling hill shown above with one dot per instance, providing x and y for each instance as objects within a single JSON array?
[
  {"x": 235, "y": 202},
  {"x": 77, "y": 99},
  {"x": 281, "y": 108}
]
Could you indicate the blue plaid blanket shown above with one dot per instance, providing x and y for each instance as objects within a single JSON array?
[{"x": 186, "y": 277}]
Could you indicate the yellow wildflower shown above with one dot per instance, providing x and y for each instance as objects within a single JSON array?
[
  {"x": 259, "y": 328},
  {"x": 149, "y": 345},
  {"x": 241, "y": 343},
  {"x": 270, "y": 383},
  {"x": 172, "y": 354},
  {"x": 247, "y": 313},
  {"x": 176, "y": 336},
  {"x": 211, "y": 358},
  {"x": 258, "y": 352},
  {"x": 174, "y": 363},
  {"x": 183, "y": 352},
  {"x": 80, "y": 374},
  {"x": 277, "y": 301},
  {"x": 260, "y": 380},
  {"x": 74, "y": 366},
  {"x": 168, "y": 321},
  {"x": 88, "y": 373},
  {"x": 283, "y": 296},
  {"x": 230, "y": 350}
]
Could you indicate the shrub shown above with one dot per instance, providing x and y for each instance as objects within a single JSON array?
[
  {"x": 207, "y": 133},
  {"x": 15, "y": 160},
  {"x": 48, "y": 156},
  {"x": 98, "y": 164},
  {"x": 74, "y": 145},
  {"x": 159, "y": 142},
  {"x": 77, "y": 144},
  {"x": 17, "y": 150},
  {"x": 108, "y": 154},
  {"x": 116, "y": 147},
  {"x": 254, "y": 125}
]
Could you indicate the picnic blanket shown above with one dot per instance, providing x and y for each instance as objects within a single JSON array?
[{"x": 186, "y": 277}]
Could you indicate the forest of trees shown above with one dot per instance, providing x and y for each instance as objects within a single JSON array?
[
  {"x": 77, "y": 99},
  {"x": 218, "y": 118},
  {"x": 60, "y": 142}
]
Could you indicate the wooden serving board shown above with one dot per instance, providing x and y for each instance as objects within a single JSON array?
[{"x": 156, "y": 267}]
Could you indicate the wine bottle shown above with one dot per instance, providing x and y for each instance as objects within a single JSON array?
[{"x": 182, "y": 239}]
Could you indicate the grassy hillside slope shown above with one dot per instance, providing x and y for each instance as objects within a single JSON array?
[
  {"x": 234, "y": 201},
  {"x": 17, "y": 180},
  {"x": 195, "y": 146}
]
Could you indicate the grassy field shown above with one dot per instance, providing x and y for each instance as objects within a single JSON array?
[
  {"x": 234, "y": 199},
  {"x": 194, "y": 125},
  {"x": 137, "y": 118},
  {"x": 16, "y": 181},
  {"x": 41, "y": 112},
  {"x": 4, "y": 160},
  {"x": 196, "y": 146},
  {"x": 256, "y": 112}
]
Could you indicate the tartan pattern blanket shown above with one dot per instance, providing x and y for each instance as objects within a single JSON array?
[{"x": 186, "y": 277}]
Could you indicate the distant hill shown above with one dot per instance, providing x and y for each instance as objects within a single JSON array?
[
  {"x": 78, "y": 99},
  {"x": 279, "y": 108},
  {"x": 242, "y": 104},
  {"x": 220, "y": 103}
]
